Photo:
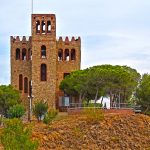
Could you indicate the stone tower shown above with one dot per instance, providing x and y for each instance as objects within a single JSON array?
[
  {"x": 40, "y": 62},
  {"x": 44, "y": 55}
]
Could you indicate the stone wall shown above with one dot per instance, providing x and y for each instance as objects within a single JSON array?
[
  {"x": 20, "y": 66},
  {"x": 67, "y": 66},
  {"x": 64, "y": 66}
]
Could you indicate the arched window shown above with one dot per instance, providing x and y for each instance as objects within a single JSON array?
[
  {"x": 60, "y": 55},
  {"x": 67, "y": 54},
  {"x": 73, "y": 54},
  {"x": 25, "y": 85},
  {"x": 48, "y": 26},
  {"x": 20, "y": 82},
  {"x": 17, "y": 54},
  {"x": 43, "y": 27},
  {"x": 24, "y": 55},
  {"x": 38, "y": 26},
  {"x": 29, "y": 54},
  {"x": 43, "y": 51},
  {"x": 43, "y": 72}
]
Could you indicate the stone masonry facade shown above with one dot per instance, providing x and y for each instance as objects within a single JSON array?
[{"x": 40, "y": 62}]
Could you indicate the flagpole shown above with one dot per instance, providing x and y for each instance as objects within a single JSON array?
[{"x": 32, "y": 6}]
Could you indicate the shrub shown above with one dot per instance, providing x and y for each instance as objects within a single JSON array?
[
  {"x": 1, "y": 119},
  {"x": 40, "y": 109},
  {"x": 16, "y": 111},
  {"x": 148, "y": 113},
  {"x": 15, "y": 136},
  {"x": 94, "y": 105},
  {"x": 93, "y": 114},
  {"x": 48, "y": 117},
  {"x": 8, "y": 98}
]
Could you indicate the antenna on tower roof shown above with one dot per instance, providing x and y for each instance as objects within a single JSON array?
[{"x": 32, "y": 6}]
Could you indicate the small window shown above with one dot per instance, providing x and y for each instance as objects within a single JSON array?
[
  {"x": 48, "y": 26},
  {"x": 24, "y": 56},
  {"x": 20, "y": 82},
  {"x": 29, "y": 54},
  {"x": 60, "y": 55},
  {"x": 17, "y": 54},
  {"x": 67, "y": 54},
  {"x": 25, "y": 85},
  {"x": 43, "y": 72},
  {"x": 43, "y": 27},
  {"x": 65, "y": 101},
  {"x": 43, "y": 51},
  {"x": 37, "y": 26},
  {"x": 73, "y": 54}
]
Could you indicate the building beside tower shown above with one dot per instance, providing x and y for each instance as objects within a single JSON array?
[{"x": 40, "y": 62}]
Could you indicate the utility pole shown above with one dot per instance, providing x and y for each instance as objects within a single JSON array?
[
  {"x": 32, "y": 6},
  {"x": 29, "y": 108},
  {"x": 30, "y": 97}
]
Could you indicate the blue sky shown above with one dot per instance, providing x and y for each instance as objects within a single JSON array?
[{"x": 112, "y": 31}]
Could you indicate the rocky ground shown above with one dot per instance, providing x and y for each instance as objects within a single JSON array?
[{"x": 125, "y": 132}]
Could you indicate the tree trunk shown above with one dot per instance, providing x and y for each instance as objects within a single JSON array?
[
  {"x": 83, "y": 96},
  {"x": 124, "y": 95},
  {"x": 119, "y": 100},
  {"x": 88, "y": 103},
  {"x": 80, "y": 99},
  {"x": 102, "y": 100},
  {"x": 110, "y": 94},
  {"x": 96, "y": 95},
  {"x": 146, "y": 109}
]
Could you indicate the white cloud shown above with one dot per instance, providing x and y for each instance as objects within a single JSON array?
[
  {"x": 114, "y": 32},
  {"x": 118, "y": 48}
]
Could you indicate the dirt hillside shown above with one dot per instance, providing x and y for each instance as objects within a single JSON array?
[{"x": 125, "y": 132}]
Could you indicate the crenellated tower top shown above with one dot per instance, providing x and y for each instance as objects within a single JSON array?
[
  {"x": 69, "y": 40},
  {"x": 22, "y": 39}
]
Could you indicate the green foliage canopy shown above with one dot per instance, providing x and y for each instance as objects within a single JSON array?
[
  {"x": 143, "y": 93},
  {"x": 76, "y": 84},
  {"x": 8, "y": 97},
  {"x": 102, "y": 80}
]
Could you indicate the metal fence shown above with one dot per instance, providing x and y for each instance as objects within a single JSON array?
[{"x": 135, "y": 108}]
